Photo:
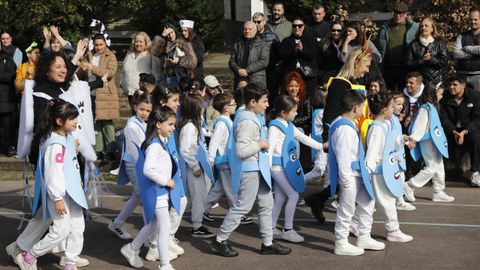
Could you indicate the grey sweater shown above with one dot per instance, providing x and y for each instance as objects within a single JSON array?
[{"x": 247, "y": 136}]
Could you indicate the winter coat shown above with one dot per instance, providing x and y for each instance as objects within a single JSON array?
[
  {"x": 165, "y": 49},
  {"x": 106, "y": 97},
  {"x": 258, "y": 59},
  {"x": 7, "y": 87},
  {"x": 133, "y": 66},
  {"x": 199, "y": 49},
  {"x": 467, "y": 112},
  {"x": 434, "y": 69},
  {"x": 383, "y": 35}
]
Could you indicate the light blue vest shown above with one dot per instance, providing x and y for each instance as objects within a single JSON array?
[
  {"x": 73, "y": 180},
  {"x": 435, "y": 133},
  {"x": 397, "y": 131},
  {"x": 202, "y": 157},
  {"x": 261, "y": 164},
  {"x": 122, "y": 178},
  {"x": 356, "y": 165},
  {"x": 315, "y": 136},
  {"x": 149, "y": 190},
  {"x": 224, "y": 160},
  {"x": 390, "y": 168},
  {"x": 173, "y": 150},
  {"x": 289, "y": 159}
]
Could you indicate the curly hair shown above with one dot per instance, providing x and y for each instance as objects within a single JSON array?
[
  {"x": 43, "y": 67},
  {"x": 295, "y": 76}
]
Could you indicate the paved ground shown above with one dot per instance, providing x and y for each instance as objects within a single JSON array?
[{"x": 447, "y": 236}]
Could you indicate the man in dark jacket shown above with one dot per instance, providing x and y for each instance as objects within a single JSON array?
[
  {"x": 8, "y": 104},
  {"x": 460, "y": 116},
  {"x": 393, "y": 39},
  {"x": 320, "y": 27},
  {"x": 250, "y": 56},
  {"x": 467, "y": 50}
]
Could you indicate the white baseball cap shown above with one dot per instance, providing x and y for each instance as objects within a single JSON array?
[{"x": 211, "y": 81}]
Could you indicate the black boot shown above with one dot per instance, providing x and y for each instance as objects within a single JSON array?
[
  {"x": 104, "y": 158},
  {"x": 313, "y": 201},
  {"x": 274, "y": 248},
  {"x": 223, "y": 248}
]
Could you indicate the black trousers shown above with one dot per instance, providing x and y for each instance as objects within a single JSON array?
[
  {"x": 8, "y": 130},
  {"x": 471, "y": 145}
]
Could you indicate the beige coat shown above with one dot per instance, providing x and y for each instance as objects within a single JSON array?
[{"x": 106, "y": 101}]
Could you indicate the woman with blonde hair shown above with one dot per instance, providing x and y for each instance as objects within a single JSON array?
[
  {"x": 428, "y": 53},
  {"x": 138, "y": 60}
]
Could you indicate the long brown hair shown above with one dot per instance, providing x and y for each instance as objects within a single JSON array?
[{"x": 191, "y": 110}]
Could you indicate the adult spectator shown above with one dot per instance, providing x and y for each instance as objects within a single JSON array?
[
  {"x": 8, "y": 103},
  {"x": 26, "y": 71},
  {"x": 138, "y": 60},
  {"x": 54, "y": 41},
  {"x": 294, "y": 87},
  {"x": 299, "y": 52},
  {"x": 320, "y": 27},
  {"x": 250, "y": 56},
  {"x": 14, "y": 52},
  {"x": 354, "y": 36},
  {"x": 102, "y": 61},
  {"x": 328, "y": 58},
  {"x": 428, "y": 53},
  {"x": 467, "y": 50},
  {"x": 189, "y": 34},
  {"x": 460, "y": 116},
  {"x": 278, "y": 24},
  {"x": 272, "y": 41},
  {"x": 177, "y": 57},
  {"x": 393, "y": 39}
]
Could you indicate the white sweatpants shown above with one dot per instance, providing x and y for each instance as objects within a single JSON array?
[
  {"x": 433, "y": 168},
  {"x": 353, "y": 198},
  {"x": 386, "y": 200},
  {"x": 176, "y": 219},
  {"x": 319, "y": 166},
  {"x": 283, "y": 191},
  {"x": 159, "y": 225},
  {"x": 69, "y": 226},
  {"x": 33, "y": 232}
]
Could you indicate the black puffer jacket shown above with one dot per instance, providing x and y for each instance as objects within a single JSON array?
[
  {"x": 8, "y": 99},
  {"x": 434, "y": 69}
]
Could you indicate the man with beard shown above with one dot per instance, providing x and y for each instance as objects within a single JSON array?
[{"x": 278, "y": 24}]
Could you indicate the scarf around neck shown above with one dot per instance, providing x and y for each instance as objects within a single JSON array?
[{"x": 413, "y": 99}]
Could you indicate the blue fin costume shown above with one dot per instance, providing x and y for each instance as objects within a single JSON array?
[
  {"x": 315, "y": 134},
  {"x": 122, "y": 178}
]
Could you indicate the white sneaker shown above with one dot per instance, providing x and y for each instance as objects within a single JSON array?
[
  {"x": 166, "y": 267},
  {"x": 408, "y": 192},
  {"x": 343, "y": 247},
  {"x": 442, "y": 197},
  {"x": 277, "y": 234},
  {"x": 119, "y": 230},
  {"x": 57, "y": 249},
  {"x": 81, "y": 262},
  {"x": 475, "y": 179},
  {"x": 115, "y": 171},
  {"x": 367, "y": 242},
  {"x": 23, "y": 264},
  {"x": 292, "y": 236},
  {"x": 13, "y": 250},
  {"x": 132, "y": 256},
  {"x": 398, "y": 236},
  {"x": 174, "y": 247},
  {"x": 404, "y": 206},
  {"x": 334, "y": 204},
  {"x": 152, "y": 254},
  {"x": 214, "y": 206},
  {"x": 354, "y": 229}
]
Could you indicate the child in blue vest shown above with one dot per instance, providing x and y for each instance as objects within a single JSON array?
[
  {"x": 251, "y": 180},
  {"x": 193, "y": 151},
  {"x": 426, "y": 130},
  {"x": 347, "y": 168},
  {"x": 156, "y": 184},
  {"x": 395, "y": 121},
  {"x": 383, "y": 164},
  {"x": 287, "y": 171},
  {"x": 58, "y": 186},
  {"x": 134, "y": 133}
]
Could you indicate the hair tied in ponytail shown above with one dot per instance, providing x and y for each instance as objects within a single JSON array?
[{"x": 50, "y": 103}]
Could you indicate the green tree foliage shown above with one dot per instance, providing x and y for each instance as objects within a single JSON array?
[{"x": 207, "y": 14}]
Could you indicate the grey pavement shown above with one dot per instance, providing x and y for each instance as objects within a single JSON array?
[{"x": 446, "y": 236}]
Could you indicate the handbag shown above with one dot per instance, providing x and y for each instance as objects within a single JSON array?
[{"x": 308, "y": 71}]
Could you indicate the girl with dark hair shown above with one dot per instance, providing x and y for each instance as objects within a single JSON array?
[
  {"x": 282, "y": 135},
  {"x": 58, "y": 185},
  {"x": 164, "y": 95},
  {"x": 354, "y": 36},
  {"x": 134, "y": 133},
  {"x": 381, "y": 144},
  {"x": 189, "y": 34},
  {"x": 177, "y": 57},
  {"x": 102, "y": 61},
  {"x": 426, "y": 130},
  {"x": 162, "y": 181},
  {"x": 191, "y": 142}
]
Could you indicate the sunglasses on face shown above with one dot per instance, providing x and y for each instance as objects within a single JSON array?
[
  {"x": 258, "y": 22},
  {"x": 297, "y": 25},
  {"x": 337, "y": 30}
]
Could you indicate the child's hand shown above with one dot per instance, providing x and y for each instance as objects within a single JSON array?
[
  {"x": 325, "y": 147},
  {"x": 171, "y": 184},
  {"x": 197, "y": 173},
  {"x": 264, "y": 145},
  {"x": 60, "y": 207}
]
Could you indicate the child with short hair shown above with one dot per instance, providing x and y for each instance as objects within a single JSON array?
[
  {"x": 251, "y": 177},
  {"x": 347, "y": 167},
  {"x": 382, "y": 162}
]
